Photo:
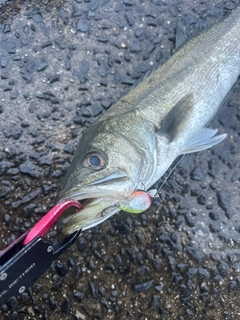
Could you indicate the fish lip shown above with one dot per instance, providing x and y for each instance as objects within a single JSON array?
[
  {"x": 90, "y": 193},
  {"x": 93, "y": 189}
]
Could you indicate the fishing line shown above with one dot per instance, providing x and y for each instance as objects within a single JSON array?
[{"x": 157, "y": 191}]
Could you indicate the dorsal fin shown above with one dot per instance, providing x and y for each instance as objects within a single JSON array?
[
  {"x": 181, "y": 34},
  {"x": 143, "y": 77},
  {"x": 187, "y": 28}
]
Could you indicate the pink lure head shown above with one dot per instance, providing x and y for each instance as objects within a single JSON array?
[{"x": 138, "y": 202}]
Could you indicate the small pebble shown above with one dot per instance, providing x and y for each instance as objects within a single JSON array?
[
  {"x": 142, "y": 286},
  {"x": 79, "y": 296}
]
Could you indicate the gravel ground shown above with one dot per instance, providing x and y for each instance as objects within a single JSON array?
[{"x": 62, "y": 64}]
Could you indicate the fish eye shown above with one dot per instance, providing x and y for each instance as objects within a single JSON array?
[{"x": 94, "y": 161}]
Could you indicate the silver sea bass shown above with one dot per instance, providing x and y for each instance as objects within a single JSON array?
[{"x": 134, "y": 143}]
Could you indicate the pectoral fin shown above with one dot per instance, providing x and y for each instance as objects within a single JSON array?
[
  {"x": 176, "y": 120},
  {"x": 205, "y": 139}
]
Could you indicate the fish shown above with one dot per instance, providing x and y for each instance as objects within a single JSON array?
[{"x": 132, "y": 145}]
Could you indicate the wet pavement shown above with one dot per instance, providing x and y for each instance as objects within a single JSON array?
[{"x": 62, "y": 64}]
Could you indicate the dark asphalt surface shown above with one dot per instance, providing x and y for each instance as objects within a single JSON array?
[{"x": 63, "y": 63}]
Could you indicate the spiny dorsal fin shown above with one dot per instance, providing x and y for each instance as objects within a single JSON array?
[
  {"x": 143, "y": 77},
  {"x": 181, "y": 34},
  {"x": 187, "y": 28},
  {"x": 178, "y": 116}
]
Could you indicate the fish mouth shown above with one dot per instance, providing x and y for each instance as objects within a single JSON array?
[
  {"x": 99, "y": 203},
  {"x": 94, "y": 212}
]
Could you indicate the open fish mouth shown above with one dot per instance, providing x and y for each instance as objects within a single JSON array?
[
  {"x": 99, "y": 202},
  {"x": 99, "y": 209},
  {"x": 96, "y": 210}
]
